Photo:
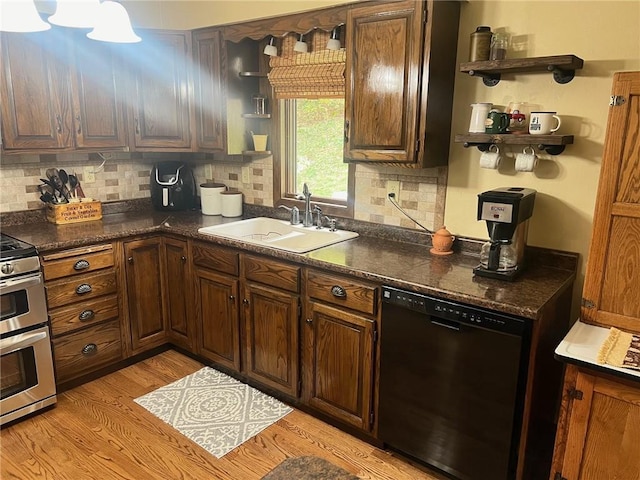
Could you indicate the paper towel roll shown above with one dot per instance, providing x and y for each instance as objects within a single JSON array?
[
  {"x": 490, "y": 160},
  {"x": 526, "y": 162}
]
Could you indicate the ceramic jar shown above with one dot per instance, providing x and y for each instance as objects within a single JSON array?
[{"x": 442, "y": 241}]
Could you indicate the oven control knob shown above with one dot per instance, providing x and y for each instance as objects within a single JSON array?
[{"x": 7, "y": 268}]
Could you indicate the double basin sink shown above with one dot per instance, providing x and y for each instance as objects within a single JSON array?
[{"x": 271, "y": 232}]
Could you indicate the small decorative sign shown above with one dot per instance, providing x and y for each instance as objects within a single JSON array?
[{"x": 74, "y": 212}]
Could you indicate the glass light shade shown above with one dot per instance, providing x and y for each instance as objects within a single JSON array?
[
  {"x": 333, "y": 44},
  {"x": 76, "y": 13},
  {"x": 301, "y": 46},
  {"x": 21, "y": 16},
  {"x": 271, "y": 49},
  {"x": 113, "y": 25}
]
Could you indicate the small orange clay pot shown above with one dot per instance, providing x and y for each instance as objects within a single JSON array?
[{"x": 442, "y": 241}]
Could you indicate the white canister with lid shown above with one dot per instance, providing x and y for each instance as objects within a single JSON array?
[
  {"x": 210, "y": 198},
  {"x": 231, "y": 204}
]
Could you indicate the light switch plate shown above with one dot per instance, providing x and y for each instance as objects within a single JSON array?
[
  {"x": 88, "y": 175},
  {"x": 246, "y": 175}
]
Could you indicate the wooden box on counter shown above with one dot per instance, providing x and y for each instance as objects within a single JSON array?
[{"x": 74, "y": 212}]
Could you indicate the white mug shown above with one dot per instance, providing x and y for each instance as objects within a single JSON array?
[
  {"x": 491, "y": 159},
  {"x": 541, "y": 123},
  {"x": 527, "y": 160},
  {"x": 479, "y": 114}
]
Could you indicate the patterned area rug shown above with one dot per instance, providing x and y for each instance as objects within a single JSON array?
[
  {"x": 214, "y": 410},
  {"x": 308, "y": 468}
]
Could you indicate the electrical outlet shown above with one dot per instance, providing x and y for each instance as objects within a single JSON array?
[
  {"x": 246, "y": 175},
  {"x": 393, "y": 186},
  {"x": 88, "y": 175},
  {"x": 208, "y": 173}
]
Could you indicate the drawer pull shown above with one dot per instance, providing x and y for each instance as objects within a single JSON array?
[
  {"x": 81, "y": 265},
  {"x": 338, "y": 291},
  {"x": 86, "y": 315},
  {"x": 83, "y": 288},
  {"x": 90, "y": 349}
]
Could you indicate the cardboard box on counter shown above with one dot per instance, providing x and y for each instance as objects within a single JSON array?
[{"x": 75, "y": 212}]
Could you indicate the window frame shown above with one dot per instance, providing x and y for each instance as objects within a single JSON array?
[{"x": 284, "y": 111}]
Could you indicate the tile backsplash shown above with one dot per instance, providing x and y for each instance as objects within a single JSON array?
[{"x": 125, "y": 176}]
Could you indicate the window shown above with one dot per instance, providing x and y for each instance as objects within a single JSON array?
[{"x": 312, "y": 131}]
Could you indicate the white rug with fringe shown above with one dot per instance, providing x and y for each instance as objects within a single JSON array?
[{"x": 214, "y": 410}]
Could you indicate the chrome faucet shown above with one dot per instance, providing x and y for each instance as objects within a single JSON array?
[{"x": 307, "y": 216}]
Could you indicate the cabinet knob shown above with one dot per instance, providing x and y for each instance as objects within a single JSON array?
[
  {"x": 83, "y": 288},
  {"x": 81, "y": 265},
  {"x": 338, "y": 291},
  {"x": 184, "y": 259},
  {"x": 130, "y": 259},
  {"x": 309, "y": 321},
  {"x": 232, "y": 297},
  {"x": 245, "y": 301},
  {"x": 89, "y": 349},
  {"x": 86, "y": 315}
]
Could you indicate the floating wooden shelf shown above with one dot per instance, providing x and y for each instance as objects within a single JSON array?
[
  {"x": 256, "y": 115},
  {"x": 255, "y": 153},
  {"x": 563, "y": 67},
  {"x": 552, "y": 144},
  {"x": 253, "y": 74}
]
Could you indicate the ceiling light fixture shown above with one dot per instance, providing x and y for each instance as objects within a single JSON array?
[
  {"x": 271, "y": 49},
  {"x": 76, "y": 13},
  {"x": 300, "y": 45},
  {"x": 21, "y": 16},
  {"x": 113, "y": 24},
  {"x": 334, "y": 40}
]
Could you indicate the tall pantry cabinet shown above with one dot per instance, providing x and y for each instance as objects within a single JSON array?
[{"x": 599, "y": 427}]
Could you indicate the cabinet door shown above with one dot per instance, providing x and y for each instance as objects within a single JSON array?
[
  {"x": 98, "y": 95},
  {"x": 161, "y": 112},
  {"x": 218, "y": 318},
  {"x": 144, "y": 293},
  {"x": 384, "y": 46},
  {"x": 178, "y": 289},
  {"x": 35, "y": 91},
  {"x": 338, "y": 370},
  {"x": 209, "y": 88},
  {"x": 613, "y": 270},
  {"x": 603, "y": 436},
  {"x": 271, "y": 329}
]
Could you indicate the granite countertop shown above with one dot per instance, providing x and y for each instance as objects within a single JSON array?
[{"x": 377, "y": 258}]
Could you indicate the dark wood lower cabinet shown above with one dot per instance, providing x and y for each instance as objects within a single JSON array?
[
  {"x": 143, "y": 268},
  {"x": 338, "y": 365},
  {"x": 271, "y": 331},
  {"x": 179, "y": 293},
  {"x": 218, "y": 320}
]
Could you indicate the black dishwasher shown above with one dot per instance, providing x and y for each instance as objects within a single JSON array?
[{"x": 452, "y": 381}]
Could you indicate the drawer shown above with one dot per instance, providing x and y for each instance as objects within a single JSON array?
[
  {"x": 272, "y": 273},
  {"x": 82, "y": 352},
  {"x": 342, "y": 291},
  {"x": 67, "y": 291},
  {"x": 215, "y": 258},
  {"x": 77, "y": 262},
  {"x": 80, "y": 315}
]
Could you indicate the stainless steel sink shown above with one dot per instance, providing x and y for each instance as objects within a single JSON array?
[{"x": 280, "y": 234}]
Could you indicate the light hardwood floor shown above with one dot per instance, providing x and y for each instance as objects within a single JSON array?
[{"x": 97, "y": 431}]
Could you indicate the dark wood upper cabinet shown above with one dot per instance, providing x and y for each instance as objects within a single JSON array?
[
  {"x": 161, "y": 114},
  {"x": 35, "y": 91},
  {"x": 399, "y": 82},
  {"x": 209, "y": 79},
  {"x": 98, "y": 95}
]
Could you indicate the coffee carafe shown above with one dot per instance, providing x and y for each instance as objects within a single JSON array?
[{"x": 507, "y": 212}]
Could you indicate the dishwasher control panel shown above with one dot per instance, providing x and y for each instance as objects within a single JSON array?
[{"x": 452, "y": 311}]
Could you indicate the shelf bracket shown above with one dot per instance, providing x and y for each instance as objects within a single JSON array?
[
  {"x": 561, "y": 76},
  {"x": 489, "y": 79},
  {"x": 552, "y": 149}
]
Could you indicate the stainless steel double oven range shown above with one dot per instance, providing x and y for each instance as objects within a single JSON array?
[{"x": 27, "y": 380}]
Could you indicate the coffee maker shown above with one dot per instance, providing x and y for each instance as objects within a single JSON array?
[
  {"x": 173, "y": 186},
  {"x": 507, "y": 211}
]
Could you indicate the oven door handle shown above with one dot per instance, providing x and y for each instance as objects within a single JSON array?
[
  {"x": 18, "y": 342},
  {"x": 12, "y": 285}
]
